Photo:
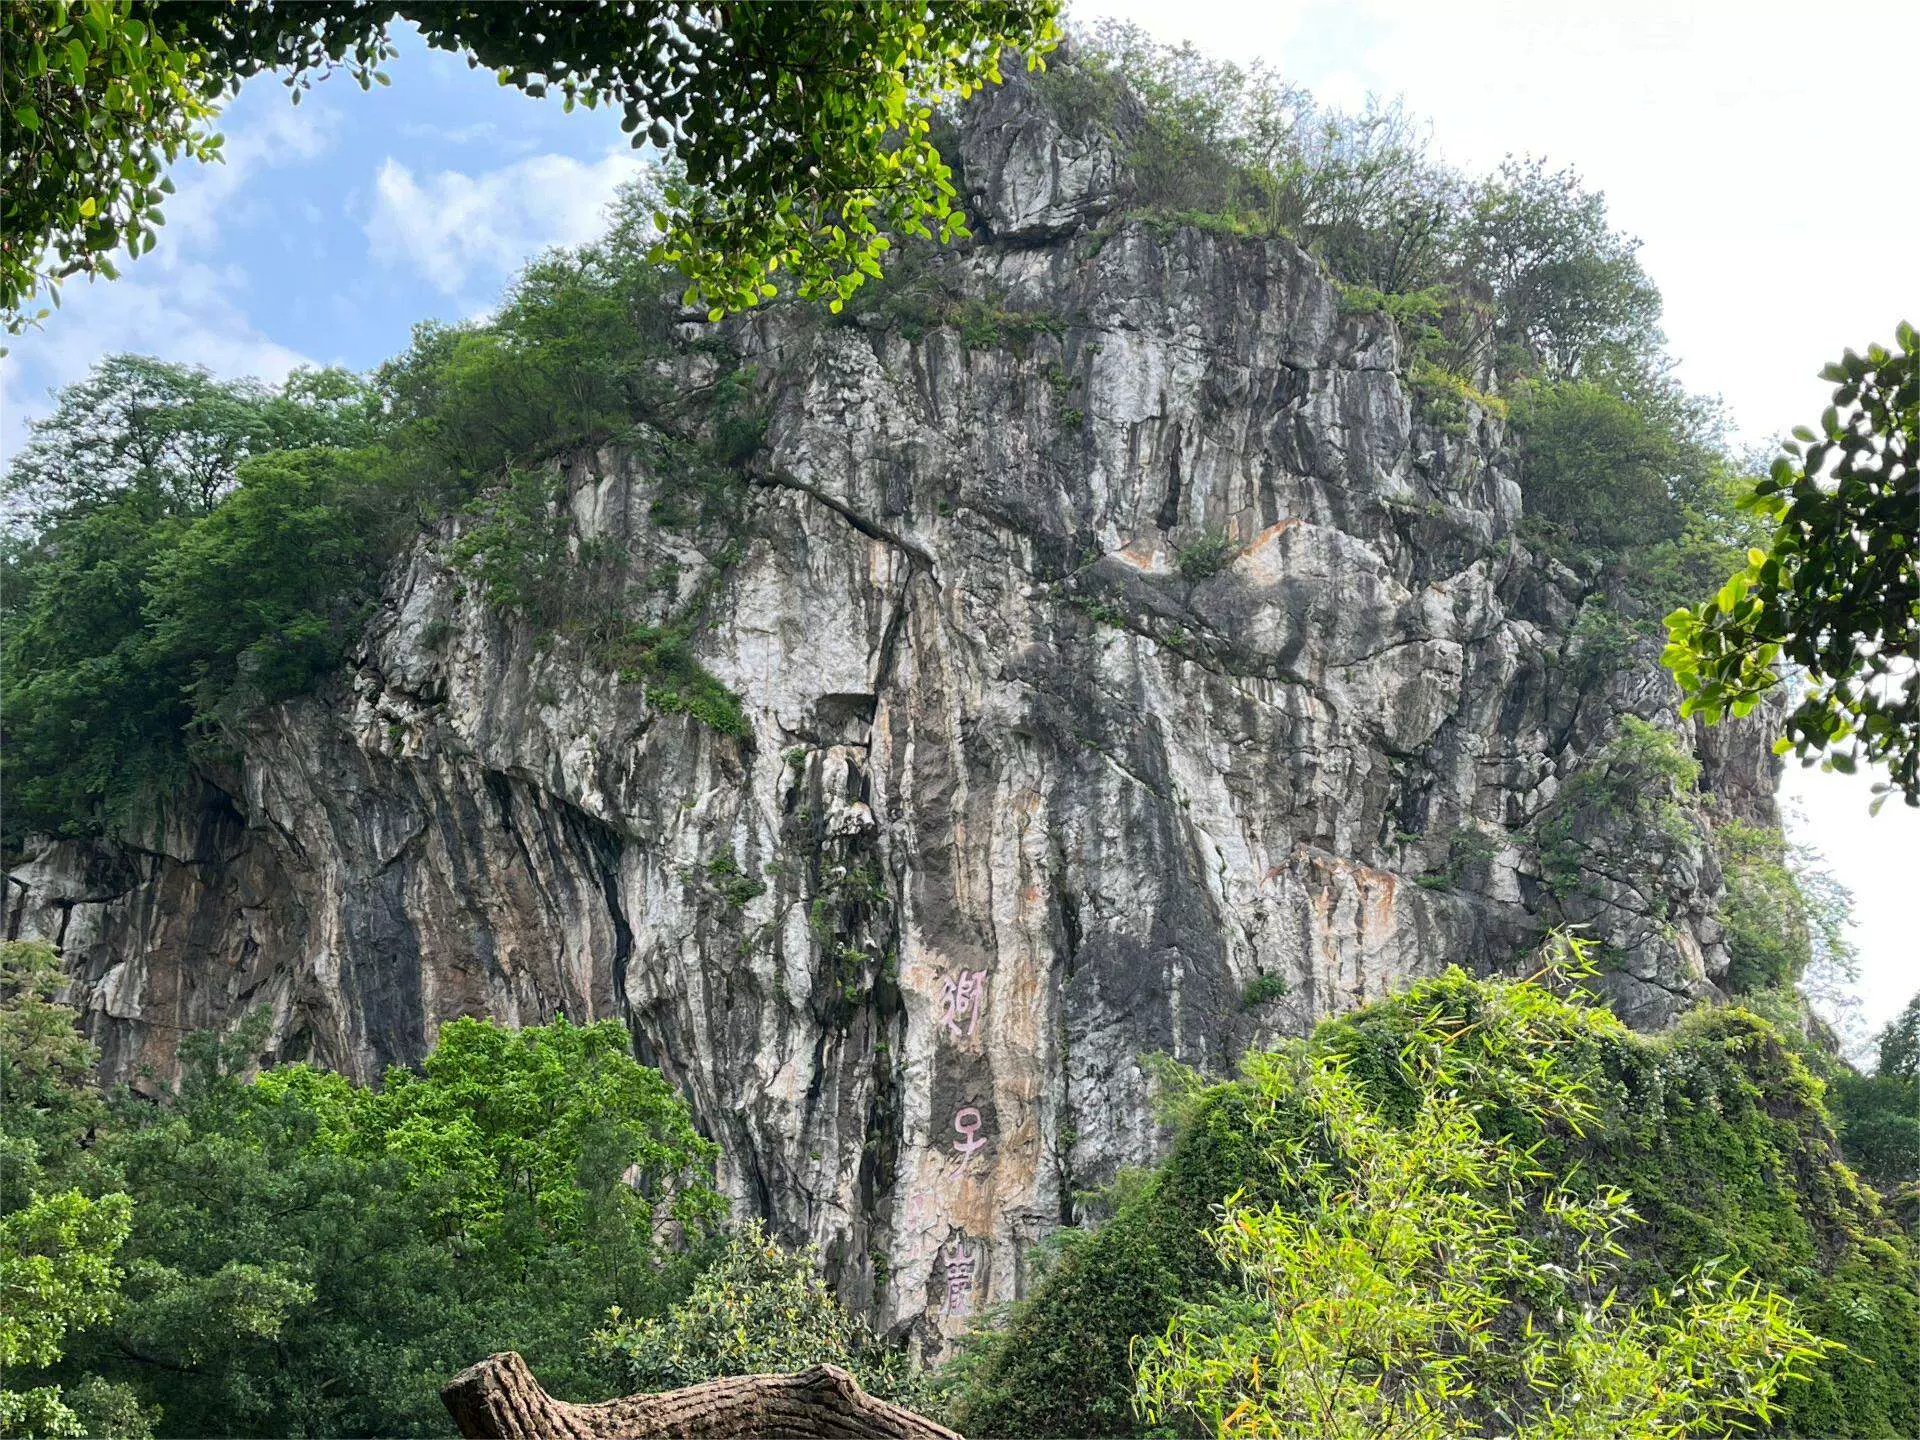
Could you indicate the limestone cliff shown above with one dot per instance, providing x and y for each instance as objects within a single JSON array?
[{"x": 1128, "y": 663}]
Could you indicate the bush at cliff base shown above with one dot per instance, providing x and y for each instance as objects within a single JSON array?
[{"x": 1716, "y": 1131}]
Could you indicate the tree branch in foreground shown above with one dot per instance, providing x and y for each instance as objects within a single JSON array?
[{"x": 499, "y": 1399}]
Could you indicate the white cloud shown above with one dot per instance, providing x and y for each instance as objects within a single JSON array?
[
  {"x": 184, "y": 312},
  {"x": 174, "y": 302},
  {"x": 454, "y": 230},
  {"x": 213, "y": 198},
  {"x": 480, "y": 130}
]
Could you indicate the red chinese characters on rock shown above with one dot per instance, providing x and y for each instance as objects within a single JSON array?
[
  {"x": 960, "y": 1260},
  {"x": 961, "y": 998},
  {"x": 966, "y": 1124}
]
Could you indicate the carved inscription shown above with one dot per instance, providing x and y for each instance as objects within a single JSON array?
[
  {"x": 961, "y": 995},
  {"x": 960, "y": 1259}
]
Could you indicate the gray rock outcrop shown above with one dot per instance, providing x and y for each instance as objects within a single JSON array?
[{"x": 1129, "y": 666}]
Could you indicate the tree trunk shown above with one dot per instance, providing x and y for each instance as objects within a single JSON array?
[{"x": 499, "y": 1399}]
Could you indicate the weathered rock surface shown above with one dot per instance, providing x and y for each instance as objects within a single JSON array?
[{"x": 1035, "y": 785}]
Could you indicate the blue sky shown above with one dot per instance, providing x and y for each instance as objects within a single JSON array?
[{"x": 338, "y": 225}]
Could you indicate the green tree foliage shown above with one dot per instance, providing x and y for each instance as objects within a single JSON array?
[
  {"x": 1836, "y": 591},
  {"x": 569, "y": 356},
  {"x": 1900, "y": 1043},
  {"x": 803, "y": 131},
  {"x": 304, "y": 1255},
  {"x": 1426, "y": 1279},
  {"x": 1715, "y": 1131},
  {"x": 45, "y": 1069},
  {"x": 58, "y": 1245},
  {"x": 1598, "y": 466},
  {"x": 1568, "y": 293},
  {"x": 258, "y": 599},
  {"x": 57, "y": 1273},
  {"x": 1781, "y": 909},
  {"x": 1627, "y": 474},
  {"x": 177, "y": 569},
  {"x": 315, "y": 1256},
  {"x": 91, "y": 717},
  {"x": 99, "y": 101},
  {"x": 174, "y": 435},
  {"x": 1878, "y": 1115},
  {"x": 759, "y": 1310}
]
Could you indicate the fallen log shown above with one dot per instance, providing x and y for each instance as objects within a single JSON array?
[{"x": 499, "y": 1399}]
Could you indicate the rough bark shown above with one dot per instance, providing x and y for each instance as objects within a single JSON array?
[{"x": 499, "y": 1399}]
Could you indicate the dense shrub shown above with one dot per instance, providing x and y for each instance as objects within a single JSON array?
[
  {"x": 1632, "y": 791},
  {"x": 1878, "y": 1115},
  {"x": 1061, "y": 1364},
  {"x": 1771, "y": 919},
  {"x": 1716, "y": 1131},
  {"x": 1430, "y": 1279},
  {"x": 760, "y": 1309},
  {"x": 1597, "y": 465}
]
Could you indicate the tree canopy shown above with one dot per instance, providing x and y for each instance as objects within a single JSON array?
[
  {"x": 760, "y": 1309},
  {"x": 1383, "y": 1301},
  {"x": 1879, "y": 1114},
  {"x": 1288, "y": 1261},
  {"x": 287, "y": 1252},
  {"x": 802, "y": 132},
  {"x": 99, "y": 102},
  {"x": 1836, "y": 591},
  {"x": 186, "y": 547}
]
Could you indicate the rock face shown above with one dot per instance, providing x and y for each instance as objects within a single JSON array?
[{"x": 1129, "y": 667}]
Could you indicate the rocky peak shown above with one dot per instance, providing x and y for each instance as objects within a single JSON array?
[{"x": 1125, "y": 663}]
